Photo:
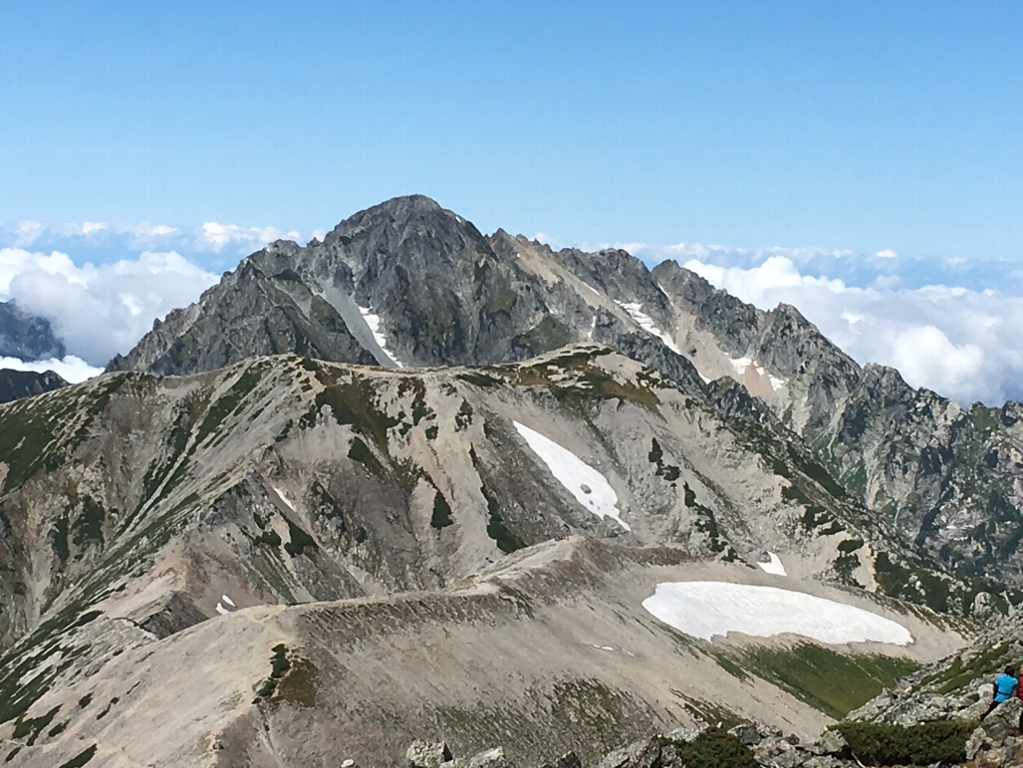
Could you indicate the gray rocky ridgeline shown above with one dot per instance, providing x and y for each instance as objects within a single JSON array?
[
  {"x": 409, "y": 283},
  {"x": 15, "y": 385}
]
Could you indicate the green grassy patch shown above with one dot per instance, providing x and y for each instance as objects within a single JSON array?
[
  {"x": 939, "y": 742},
  {"x": 279, "y": 665},
  {"x": 715, "y": 748},
  {"x": 952, "y": 677},
  {"x": 299, "y": 541},
  {"x": 353, "y": 403},
  {"x": 34, "y": 726},
  {"x": 80, "y": 759},
  {"x": 832, "y": 682},
  {"x": 298, "y": 685},
  {"x": 441, "y": 517},
  {"x": 229, "y": 402}
]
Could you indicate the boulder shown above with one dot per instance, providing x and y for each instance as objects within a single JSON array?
[
  {"x": 567, "y": 760},
  {"x": 747, "y": 734},
  {"x": 639, "y": 754},
  {"x": 779, "y": 752},
  {"x": 831, "y": 742},
  {"x": 997, "y": 736},
  {"x": 686, "y": 735},
  {"x": 426, "y": 754},
  {"x": 491, "y": 758}
]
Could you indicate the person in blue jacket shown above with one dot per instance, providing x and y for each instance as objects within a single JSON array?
[{"x": 1006, "y": 687}]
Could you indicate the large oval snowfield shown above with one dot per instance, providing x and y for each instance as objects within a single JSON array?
[{"x": 707, "y": 609}]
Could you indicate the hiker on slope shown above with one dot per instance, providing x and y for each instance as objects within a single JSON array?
[{"x": 1006, "y": 687}]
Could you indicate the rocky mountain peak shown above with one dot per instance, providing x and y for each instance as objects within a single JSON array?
[{"x": 26, "y": 337}]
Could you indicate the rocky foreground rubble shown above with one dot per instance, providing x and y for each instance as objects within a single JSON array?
[{"x": 994, "y": 742}]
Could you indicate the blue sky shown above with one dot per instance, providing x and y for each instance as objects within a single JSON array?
[
  {"x": 871, "y": 151},
  {"x": 867, "y": 125}
]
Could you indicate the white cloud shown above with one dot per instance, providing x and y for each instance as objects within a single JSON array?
[
  {"x": 216, "y": 236},
  {"x": 152, "y": 230},
  {"x": 27, "y": 232},
  {"x": 71, "y": 368},
  {"x": 100, "y": 310},
  {"x": 962, "y": 343},
  {"x": 887, "y": 253},
  {"x": 14, "y": 261},
  {"x": 632, "y": 248},
  {"x": 88, "y": 228}
]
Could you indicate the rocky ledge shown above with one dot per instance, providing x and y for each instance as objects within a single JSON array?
[{"x": 994, "y": 742}]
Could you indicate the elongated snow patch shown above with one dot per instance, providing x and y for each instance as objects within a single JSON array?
[
  {"x": 776, "y": 567},
  {"x": 644, "y": 321},
  {"x": 590, "y": 488},
  {"x": 707, "y": 609},
  {"x": 373, "y": 321}
]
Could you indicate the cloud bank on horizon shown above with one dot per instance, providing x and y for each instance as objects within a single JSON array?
[
  {"x": 941, "y": 324},
  {"x": 101, "y": 286}
]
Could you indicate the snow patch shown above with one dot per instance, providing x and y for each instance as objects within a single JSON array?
[
  {"x": 776, "y": 567},
  {"x": 587, "y": 485},
  {"x": 741, "y": 364},
  {"x": 284, "y": 498},
  {"x": 225, "y": 605},
  {"x": 590, "y": 287},
  {"x": 645, "y": 322},
  {"x": 706, "y": 609},
  {"x": 374, "y": 323}
]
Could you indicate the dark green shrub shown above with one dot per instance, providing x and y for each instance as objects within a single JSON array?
[
  {"x": 941, "y": 741},
  {"x": 715, "y": 748}
]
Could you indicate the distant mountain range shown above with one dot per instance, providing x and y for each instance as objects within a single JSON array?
[
  {"x": 17, "y": 384},
  {"x": 26, "y": 337}
]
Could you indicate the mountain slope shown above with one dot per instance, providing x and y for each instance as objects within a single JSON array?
[
  {"x": 296, "y": 480},
  {"x": 313, "y": 684},
  {"x": 950, "y": 478},
  {"x": 410, "y": 283}
]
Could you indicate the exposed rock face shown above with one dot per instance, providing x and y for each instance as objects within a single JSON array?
[
  {"x": 26, "y": 337},
  {"x": 312, "y": 481},
  {"x": 17, "y": 384},
  {"x": 947, "y": 477},
  {"x": 410, "y": 283}
]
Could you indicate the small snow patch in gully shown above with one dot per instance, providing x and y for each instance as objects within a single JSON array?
[
  {"x": 373, "y": 321},
  {"x": 284, "y": 498},
  {"x": 706, "y": 609},
  {"x": 645, "y": 322},
  {"x": 775, "y": 567},
  {"x": 225, "y": 605},
  {"x": 587, "y": 485}
]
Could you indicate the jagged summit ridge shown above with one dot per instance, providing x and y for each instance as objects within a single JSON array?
[{"x": 409, "y": 283}]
